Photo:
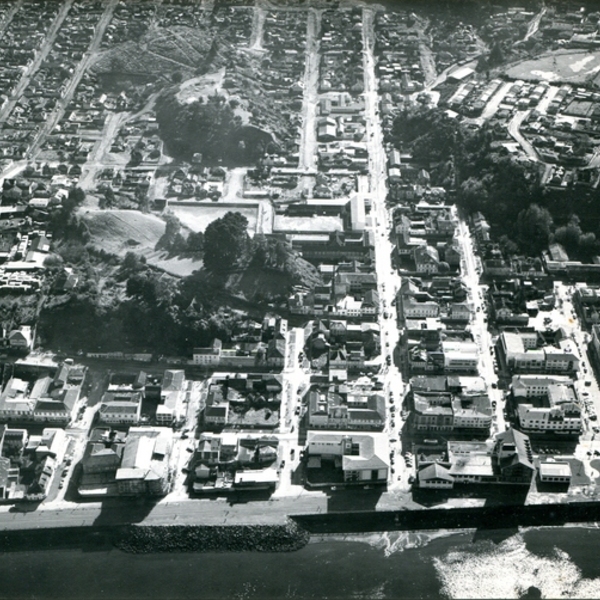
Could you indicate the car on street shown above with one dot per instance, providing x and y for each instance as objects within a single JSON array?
[{"x": 292, "y": 453}]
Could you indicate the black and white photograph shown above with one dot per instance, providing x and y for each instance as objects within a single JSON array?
[{"x": 299, "y": 299}]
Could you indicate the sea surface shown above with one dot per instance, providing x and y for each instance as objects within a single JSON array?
[{"x": 546, "y": 562}]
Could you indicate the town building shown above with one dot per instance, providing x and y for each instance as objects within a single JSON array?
[
  {"x": 506, "y": 459},
  {"x": 522, "y": 353},
  {"x": 545, "y": 405},
  {"x": 348, "y": 458},
  {"x": 340, "y": 408}
]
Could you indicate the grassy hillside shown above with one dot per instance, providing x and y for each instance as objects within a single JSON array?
[{"x": 120, "y": 231}]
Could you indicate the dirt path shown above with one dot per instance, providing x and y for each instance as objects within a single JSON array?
[{"x": 258, "y": 24}]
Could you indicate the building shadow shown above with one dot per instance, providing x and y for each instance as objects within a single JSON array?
[
  {"x": 124, "y": 510},
  {"x": 298, "y": 475},
  {"x": 246, "y": 496},
  {"x": 353, "y": 499}
]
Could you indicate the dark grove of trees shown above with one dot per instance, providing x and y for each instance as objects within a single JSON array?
[
  {"x": 211, "y": 127},
  {"x": 523, "y": 215}
]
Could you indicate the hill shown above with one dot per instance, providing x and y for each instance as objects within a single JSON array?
[{"x": 120, "y": 231}]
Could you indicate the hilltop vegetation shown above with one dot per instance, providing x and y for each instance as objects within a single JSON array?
[
  {"x": 123, "y": 303},
  {"x": 209, "y": 127}
]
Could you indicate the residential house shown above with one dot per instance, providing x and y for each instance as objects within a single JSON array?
[
  {"x": 337, "y": 408},
  {"x": 171, "y": 407},
  {"x": 21, "y": 338}
]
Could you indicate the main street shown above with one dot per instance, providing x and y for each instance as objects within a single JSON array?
[
  {"x": 471, "y": 272},
  {"x": 387, "y": 277}
]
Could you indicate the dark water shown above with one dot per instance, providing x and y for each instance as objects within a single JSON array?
[{"x": 538, "y": 563}]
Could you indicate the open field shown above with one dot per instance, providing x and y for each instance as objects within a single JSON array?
[
  {"x": 197, "y": 218},
  {"x": 576, "y": 66}
]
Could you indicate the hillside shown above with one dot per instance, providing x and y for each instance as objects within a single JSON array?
[
  {"x": 120, "y": 231},
  {"x": 256, "y": 284}
]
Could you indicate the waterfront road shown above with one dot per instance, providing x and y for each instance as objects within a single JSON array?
[{"x": 238, "y": 509}]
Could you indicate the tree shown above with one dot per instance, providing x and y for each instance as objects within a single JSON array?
[
  {"x": 12, "y": 195},
  {"x": 496, "y": 56},
  {"x": 136, "y": 157},
  {"x": 76, "y": 195},
  {"x": 172, "y": 230},
  {"x": 109, "y": 196},
  {"x": 534, "y": 225},
  {"x": 195, "y": 242},
  {"x": 225, "y": 241}
]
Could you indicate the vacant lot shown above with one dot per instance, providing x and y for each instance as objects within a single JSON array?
[
  {"x": 316, "y": 224},
  {"x": 572, "y": 66}
]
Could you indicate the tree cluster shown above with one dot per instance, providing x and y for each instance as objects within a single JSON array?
[{"x": 209, "y": 127}]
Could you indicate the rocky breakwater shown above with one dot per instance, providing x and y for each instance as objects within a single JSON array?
[{"x": 197, "y": 538}]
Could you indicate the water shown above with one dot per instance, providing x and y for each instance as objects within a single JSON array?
[{"x": 549, "y": 563}]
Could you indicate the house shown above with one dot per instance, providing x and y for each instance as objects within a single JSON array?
[
  {"x": 336, "y": 408},
  {"x": 208, "y": 356},
  {"x": 444, "y": 404},
  {"x": 506, "y": 459},
  {"x": 144, "y": 468},
  {"x": 521, "y": 353},
  {"x": 435, "y": 477},
  {"x": 427, "y": 259},
  {"x": 120, "y": 408},
  {"x": 546, "y": 406},
  {"x": 216, "y": 415},
  {"x": 276, "y": 352},
  {"x": 53, "y": 442},
  {"x": 58, "y": 407},
  {"x": 101, "y": 459},
  {"x": 460, "y": 355},
  {"x": 171, "y": 394},
  {"x": 354, "y": 458},
  {"x": 21, "y": 338},
  {"x": 15, "y": 403},
  {"x": 555, "y": 471}
]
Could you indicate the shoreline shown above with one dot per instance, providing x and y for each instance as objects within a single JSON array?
[{"x": 145, "y": 539}]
